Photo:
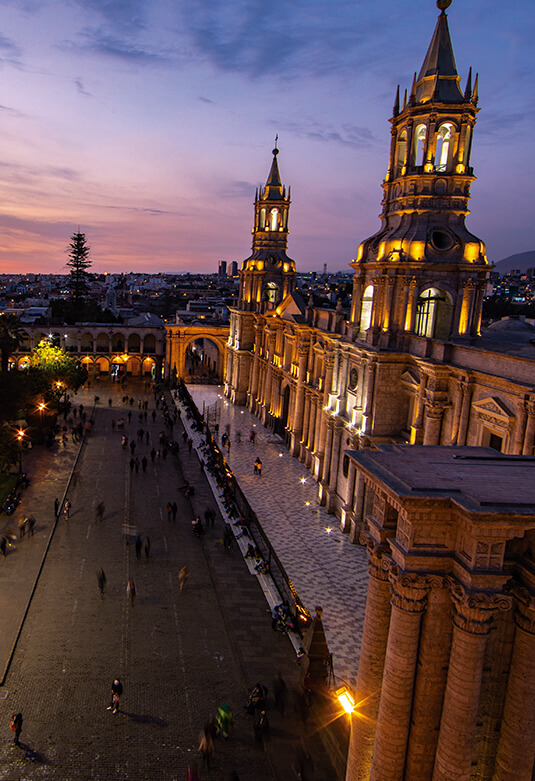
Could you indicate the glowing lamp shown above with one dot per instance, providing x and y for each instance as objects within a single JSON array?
[{"x": 346, "y": 699}]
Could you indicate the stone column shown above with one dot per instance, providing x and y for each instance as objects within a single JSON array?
[
  {"x": 433, "y": 658},
  {"x": 358, "y": 521},
  {"x": 367, "y": 418},
  {"x": 529, "y": 436},
  {"x": 254, "y": 380},
  {"x": 417, "y": 426},
  {"x": 306, "y": 421},
  {"x": 335, "y": 464},
  {"x": 471, "y": 625},
  {"x": 327, "y": 459},
  {"x": 515, "y": 757},
  {"x": 433, "y": 423},
  {"x": 409, "y": 599},
  {"x": 412, "y": 303},
  {"x": 297, "y": 423},
  {"x": 322, "y": 417},
  {"x": 311, "y": 429},
  {"x": 462, "y": 430},
  {"x": 355, "y": 300},
  {"x": 371, "y": 665},
  {"x": 520, "y": 429}
]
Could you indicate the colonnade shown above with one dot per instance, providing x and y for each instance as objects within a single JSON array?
[{"x": 419, "y": 682}]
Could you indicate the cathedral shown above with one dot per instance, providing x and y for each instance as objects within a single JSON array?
[
  {"x": 409, "y": 363},
  {"x": 419, "y": 428}
]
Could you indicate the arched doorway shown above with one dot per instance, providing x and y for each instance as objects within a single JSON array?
[{"x": 202, "y": 362}]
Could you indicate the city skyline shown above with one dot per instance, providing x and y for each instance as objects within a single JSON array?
[{"x": 148, "y": 126}]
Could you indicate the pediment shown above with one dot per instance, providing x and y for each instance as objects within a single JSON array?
[
  {"x": 291, "y": 307},
  {"x": 492, "y": 406},
  {"x": 410, "y": 378}
]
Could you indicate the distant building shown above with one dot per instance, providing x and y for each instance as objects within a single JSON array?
[{"x": 222, "y": 268}]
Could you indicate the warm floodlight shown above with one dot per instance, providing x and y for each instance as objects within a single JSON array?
[{"x": 346, "y": 699}]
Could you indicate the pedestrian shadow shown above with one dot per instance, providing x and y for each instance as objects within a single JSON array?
[
  {"x": 31, "y": 754},
  {"x": 143, "y": 718}
]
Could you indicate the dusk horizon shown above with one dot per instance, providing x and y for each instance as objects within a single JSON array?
[{"x": 148, "y": 128}]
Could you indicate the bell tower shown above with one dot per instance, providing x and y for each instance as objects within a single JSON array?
[
  {"x": 424, "y": 273},
  {"x": 267, "y": 276}
]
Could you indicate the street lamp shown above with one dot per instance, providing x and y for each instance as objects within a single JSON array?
[
  {"x": 345, "y": 698},
  {"x": 20, "y": 438},
  {"x": 41, "y": 407}
]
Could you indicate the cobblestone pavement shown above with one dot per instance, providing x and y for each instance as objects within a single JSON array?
[
  {"x": 179, "y": 655},
  {"x": 324, "y": 566}
]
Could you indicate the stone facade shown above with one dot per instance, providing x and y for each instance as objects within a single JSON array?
[
  {"x": 444, "y": 683},
  {"x": 137, "y": 350},
  {"x": 409, "y": 363}
]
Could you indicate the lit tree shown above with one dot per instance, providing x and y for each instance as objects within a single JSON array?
[
  {"x": 11, "y": 338},
  {"x": 56, "y": 365},
  {"x": 78, "y": 263}
]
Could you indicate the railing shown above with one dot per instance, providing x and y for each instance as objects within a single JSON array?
[{"x": 235, "y": 497}]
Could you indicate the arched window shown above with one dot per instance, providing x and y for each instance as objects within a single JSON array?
[
  {"x": 401, "y": 151},
  {"x": 262, "y": 219},
  {"x": 366, "y": 309},
  {"x": 433, "y": 314},
  {"x": 444, "y": 147},
  {"x": 272, "y": 291},
  {"x": 274, "y": 220},
  {"x": 418, "y": 151}
]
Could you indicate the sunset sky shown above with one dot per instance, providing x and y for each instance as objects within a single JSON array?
[{"x": 150, "y": 124}]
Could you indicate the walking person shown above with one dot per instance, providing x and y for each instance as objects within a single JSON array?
[
  {"x": 138, "y": 544},
  {"x": 147, "y": 547},
  {"x": 144, "y": 463},
  {"x": 101, "y": 580},
  {"x": 116, "y": 692},
  {"x": 67, "y": 510},
  {"x": 174, "y": 508},
  {"x": 169, "y": 511},
  {"x": 16, "y": 727},
  {"x": 56, "y": 507},
  {"x": 183, "y": 577},
  {"x": 99, "y": 511},
  {"x": 206, "y": 747},
  {"x": 131, "y": 591}
]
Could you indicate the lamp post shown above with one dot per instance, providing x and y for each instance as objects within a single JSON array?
[{"x": 20, "y": 438}]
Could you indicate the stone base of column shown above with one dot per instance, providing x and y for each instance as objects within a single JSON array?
[
  {"x": 357, "y": 527},
  {"x": 330, "y": 501},
  {"x": 238, "y": 397},
  {"x": 323, "y": 487},
  {"x": 263, "y": 414},
  {"x": 308, "y": 458},
  {"x": 346, "y": 518},
  {"x": 302, "y": 452},
  {"x": 295, "y": 444},
  {"x": 318, "y": 465}
]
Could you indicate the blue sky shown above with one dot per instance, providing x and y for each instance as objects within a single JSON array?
[{"x": 150, "y": 124}]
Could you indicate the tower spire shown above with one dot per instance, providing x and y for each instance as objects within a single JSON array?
[{"x": 439, "y": 65}]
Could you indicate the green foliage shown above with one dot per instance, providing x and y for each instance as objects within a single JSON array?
[
  {"x": 56, "y": 365},
  {"x": 11, "y": 337},
  {"x": 78, "y": 263}
]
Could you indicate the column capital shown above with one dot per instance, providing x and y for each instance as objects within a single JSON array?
[
  {"x": 302, "y": 351},
  {"x": 524, "y": 609},
  {"x": 378, "y": 559},
  {"x": 474, "y": 613},
  {"x": 409, "y": 590}
]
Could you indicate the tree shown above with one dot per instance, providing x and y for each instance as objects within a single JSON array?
[
  {"x": 78, "y": 264},
  {"x": 11, "y": 338},
  {"x": 56, "y": 365}
]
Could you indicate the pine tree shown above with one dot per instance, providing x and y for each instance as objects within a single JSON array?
[{"x": 78, "y": 263}]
